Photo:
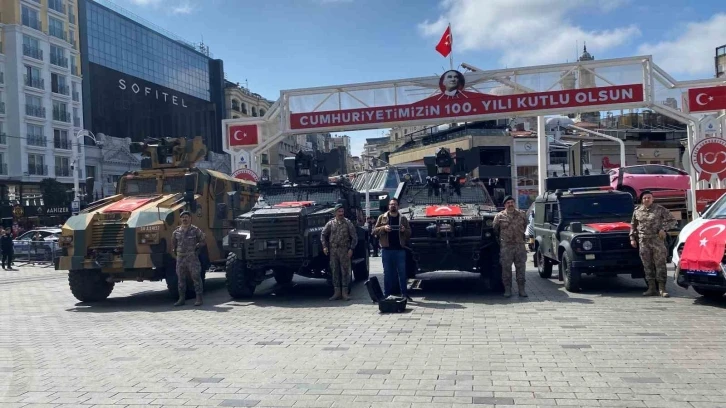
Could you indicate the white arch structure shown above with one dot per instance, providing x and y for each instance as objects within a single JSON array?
[{"x": 585, "y": 86}]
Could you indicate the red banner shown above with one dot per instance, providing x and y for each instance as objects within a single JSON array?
[
  {"x": 454, "y": 103},
  {"x": 243, "y": 135},
  {"x": 294, "y": 204},
  {"x": 709, "y": 158},
  {"x": 704, "y": 248},
  {"x": 127, "y": 204},
  {"x": 707, "y": 99},
  {"x": 442, "y": 210},
  {"x": 610, "y": 226},
  {"x": 705, "y": 197}
]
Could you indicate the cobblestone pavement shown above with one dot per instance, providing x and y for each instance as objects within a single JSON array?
[{"x": 290, "y": 347}]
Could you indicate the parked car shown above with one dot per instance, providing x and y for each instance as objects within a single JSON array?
[
  {"x": 24, "y": 245},
  {"x": 662, "y": 181}
]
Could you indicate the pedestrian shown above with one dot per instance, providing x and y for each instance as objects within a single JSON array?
[
  {"x": 185, "y": 241},
  {"x": 648, "y": 230},
  {"x": 509, "y": 226},
  {"x": 373, "y": 238},
  {"x": 339, "y": 238},
  {"x": 6, "y": 245},
  {"x": 392, "y": 229}
]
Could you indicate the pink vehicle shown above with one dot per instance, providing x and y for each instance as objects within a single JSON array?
[{"x": 664, "y": 182}]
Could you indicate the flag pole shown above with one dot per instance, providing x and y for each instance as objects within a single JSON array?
[{"x": 451, "y": 55}]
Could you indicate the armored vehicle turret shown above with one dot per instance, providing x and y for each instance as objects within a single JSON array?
[
  {"x": 127, "y": 237},
  {"x": 280, "y": 236}
]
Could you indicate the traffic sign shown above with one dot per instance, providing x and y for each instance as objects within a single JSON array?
[{"x": 75, "y": 207}]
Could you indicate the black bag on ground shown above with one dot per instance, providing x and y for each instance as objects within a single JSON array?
[
  {"x": 374, "y": 289},
  {"x": 392, "y": 305}
]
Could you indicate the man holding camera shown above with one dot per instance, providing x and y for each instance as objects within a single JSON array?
[{"x": 392, "y": 229}]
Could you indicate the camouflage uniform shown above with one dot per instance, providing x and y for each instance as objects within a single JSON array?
[
  {"x": 187, "y": 260},
  {"x": 339, "y": 237},
  {"x": 510, "y": 228},
  {"x": 645, "y": 225}
]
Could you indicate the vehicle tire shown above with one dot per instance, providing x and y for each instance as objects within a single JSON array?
[
  {"x": 632, "y": 193},
  {"x": 571, "y": 275},
  {"x": 361, "y": 269},
  {"x": 544, "y": 264},
  {"x": 710, "y": 293},
  {"x": 89, "y": 285},
  {"x": 283, "y": 276},
  {"x": 240, "y": 280}
]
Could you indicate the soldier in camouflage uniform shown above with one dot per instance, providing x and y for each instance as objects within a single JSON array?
[
  {"x": 648, "y": 228},
  {"x": 510, "y": 225},
  {"x": 185, "y": 241},
  {"x": 339, "y": 238}
]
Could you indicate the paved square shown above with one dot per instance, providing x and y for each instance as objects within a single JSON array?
[{"x": 290, "y": 347}]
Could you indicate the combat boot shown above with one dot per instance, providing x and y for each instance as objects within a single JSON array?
[
  {"x": 662, "y": 290},
  {"x": 344, "y": 294},
  {"x": 199, "y": 301},
  {"x": 507, "y": 291},
  {"x": 522, "y": 293},
  {"x": 181, "y": 301},
  {"x": 336, "y": 295},
  {"x": 652, "y": 289}
]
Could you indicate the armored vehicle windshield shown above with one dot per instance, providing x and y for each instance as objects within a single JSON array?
[
  {"x": 323, "y": 195},
  {"x": 469, "y": 193},
  {"x": 597, "y": 206}
]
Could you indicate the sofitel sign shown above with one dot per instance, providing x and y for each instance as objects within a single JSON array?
[{"x": 135, "y": 88}]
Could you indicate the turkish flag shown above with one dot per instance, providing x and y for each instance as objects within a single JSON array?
[
  {"x": 444, "y": 45},
  {"x": 126, "y": 205},
  {"x": 442, "y": 210},
  {"x": 704, "y": 248},
  {"x": 707, "y": 99},
  {"x": 610, "y": 226},
  {"x": 243, "y": 135}
]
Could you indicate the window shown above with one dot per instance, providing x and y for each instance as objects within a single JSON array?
[
  {"x": 58, "y": 84},
  {"x": 35, "y": 136},
  {"x": 235, "y": 105},
  {"x": 36, "y": 165},
  {"x": 58, "y": 57},
  {"x": 33, "y": 77},
  {"x": 30, "y": 18},
  {"x": 254, "y": 111},
  {"x": 264, "y": 159},
  {"x": 91, "y": 171},
  {"x": 76, "y": 95},
  {"x": 76, "y": 118},
  {"x": 60, "y": 112},
  {"x": 57, "y": 5},
  {"x": 60, "y": 139},
  {"x": 634, "y": 170},
  {"x": 552, "y": 214},
  {"x": 3, "y": 165},
  {"x": 31, "y": 48},
  {"x": 55, "y": 28},
  {"x": 262, "y": 112},
  {"x": 34, "y": 106},
  {"x": 62, "y": 167}
]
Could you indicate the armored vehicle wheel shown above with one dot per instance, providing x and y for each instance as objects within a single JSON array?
[
  {"x": 240, "y": 280},
  {"x": 89, "y": 285},
  {"x": 283, "y": 276},
  {"x": 544, "y": 264},
  {"x": 172, "y": 281},
  {"x": 570, "y": 275},
  {"x": 361, "y": 269},
  {"x": 710, "y": 293}
]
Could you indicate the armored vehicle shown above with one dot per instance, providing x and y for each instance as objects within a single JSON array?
[
  {"x": 582, "y": 225},
  {"x": 128, "y": 236},
  {"x": 280, "y": 236},
  {"x": 451, "y": 217}
]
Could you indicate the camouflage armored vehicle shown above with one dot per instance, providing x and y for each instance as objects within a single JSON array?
[
  {"x": 280, "y": 237},
  {"x": 451, "y": 217},
  {"x": 127, "y": 237}
]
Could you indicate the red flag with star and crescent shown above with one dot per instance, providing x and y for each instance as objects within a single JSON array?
[
  {"x": 707, "y": 99},
  {"x": 704, "y": 248},
  {"x": 444, "y": 45}
]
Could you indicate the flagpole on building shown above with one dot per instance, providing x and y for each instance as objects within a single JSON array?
[{"x": 451, "y": 55}]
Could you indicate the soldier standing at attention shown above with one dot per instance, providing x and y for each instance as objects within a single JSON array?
[
  {"x": 648, "y": 228},
  {"x": 510, "y": 225},
  {"x": 185, "y": 240},
  {"x": 339, "y": 238}
]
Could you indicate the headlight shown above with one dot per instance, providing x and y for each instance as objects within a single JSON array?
[
  {"x": 245, "y": 224},
  {"x": 587, "y": 245},
  {"x": 489, "y": 222},
  {"x": 148, "y": 238}
]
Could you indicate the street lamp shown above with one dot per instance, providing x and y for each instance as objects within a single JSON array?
[{"x": 76, "y": 182}]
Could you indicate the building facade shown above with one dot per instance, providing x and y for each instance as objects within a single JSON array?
[
  {"x": 720, "y": 61},
  {"x": 41, "y": 109}
]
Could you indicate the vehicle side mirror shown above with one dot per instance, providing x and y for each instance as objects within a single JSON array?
[
  {"x": 221, "y": 211},
  {"x": 576, "y": 227}
]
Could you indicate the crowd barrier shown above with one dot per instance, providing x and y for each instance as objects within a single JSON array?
[{"x": 35, "y": 253}]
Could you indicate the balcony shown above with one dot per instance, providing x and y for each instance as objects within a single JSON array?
[
  {"x": 2, "y": 108},
  {"x": 73, "y": 43},
  {"x": 32, "y": 23},
  {"x": 61, "y": 116},
  {"x": 37, "y": 169},
  {"x": 35, "y": 111},
  {"x": 33, "y": 82},
  {"x": 74, "y": 70},
  {"x": 36, "y": 140},
  {"x": 57, "y": 5},
  {"x": 71, "y": 17},
  {"x": 33, "y": 52},
  {"x": 58, "y": 33},
  {"x": 76, "y": 97},
  {"x": 62, "y": 171},
  {"x": 77, "y": 122},
  {"x": 61, "y": 90},
  {"x": 64, "y": 144},
  {"x": 59, "y": 60}
]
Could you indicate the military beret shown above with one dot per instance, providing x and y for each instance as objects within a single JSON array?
[
  {"x": 644, "y": 192},
  {"x": 507, "y": 198},
  {"x": 185, "y": 212},
  {"x": 338, "y": 207}
]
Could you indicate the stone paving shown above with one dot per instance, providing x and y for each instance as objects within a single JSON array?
[{"x": 289, "y": 347}]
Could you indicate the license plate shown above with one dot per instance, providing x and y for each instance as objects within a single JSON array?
[
  {"x": 590, "y": 257},
  {"x": 445, "y": 228},
  {"x": 273, "y": 244}
]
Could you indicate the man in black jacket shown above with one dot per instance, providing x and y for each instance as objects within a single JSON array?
[{"x": 6, "y": 245}]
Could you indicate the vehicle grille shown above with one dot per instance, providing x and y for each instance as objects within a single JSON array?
[
  {"x": 471, "y": 229},
  {"x": 619, "y": 243},
  {"x": 274, "y": 227},
  {"x": 292, "y": 247},
  {"x": 107, "y": 235},
  {"x": 418, "y": 229}
]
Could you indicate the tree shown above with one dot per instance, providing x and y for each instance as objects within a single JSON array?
[{"x": 55, "y": 194}]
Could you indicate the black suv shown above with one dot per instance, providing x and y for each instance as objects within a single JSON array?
[{"x": 582, "y": 225}]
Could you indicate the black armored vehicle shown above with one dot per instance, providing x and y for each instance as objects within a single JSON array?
[
  {"x": 280, "y": 236},
  {"x": 582, "y": 224},
  {"x": 451, "y": 217}
]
